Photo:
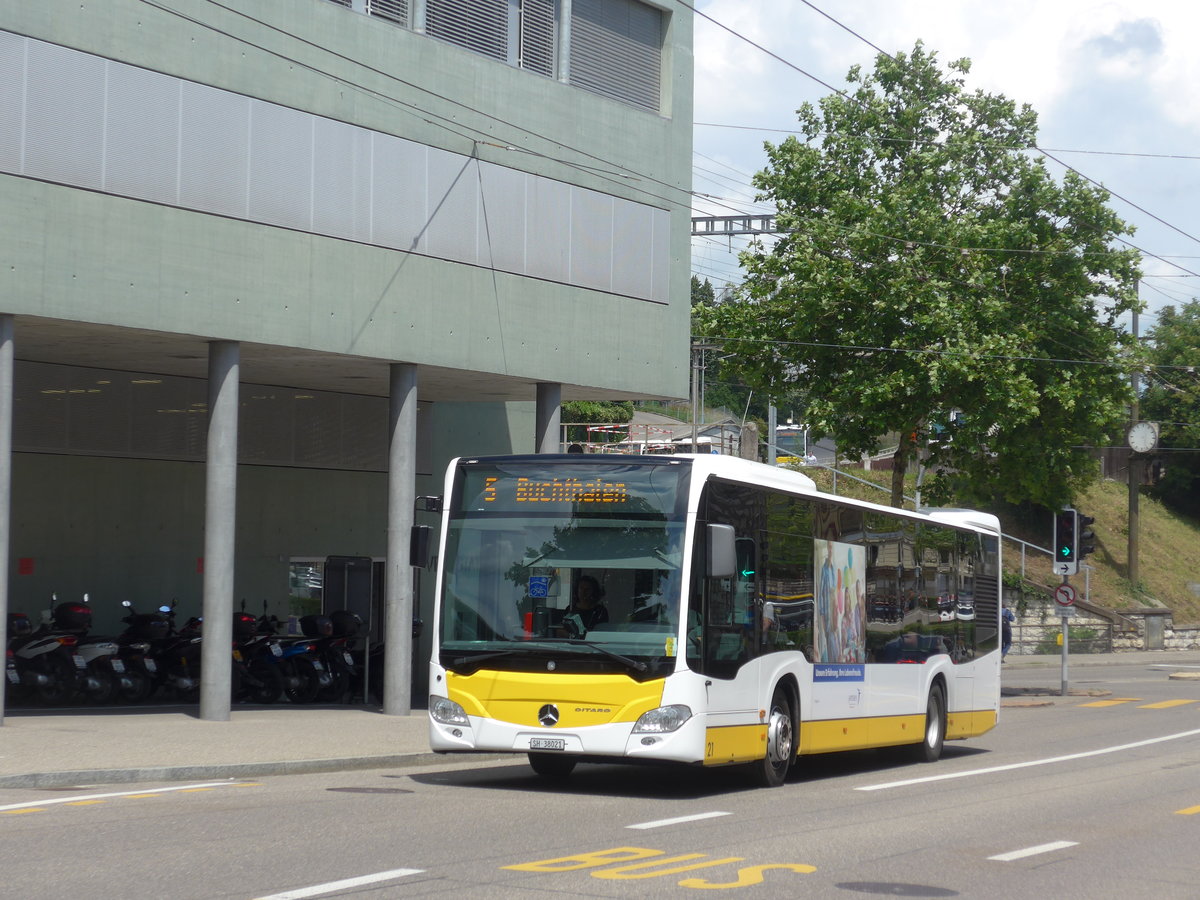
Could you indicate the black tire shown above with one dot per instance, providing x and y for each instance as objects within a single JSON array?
[
  {"x": 62, "y": 681},
  {"x": 772, "y": 770},
  {"x": 106, "y": 684},
  {"x": 930, "y": 748},
  {"x": 135, "y": 686},
  {"x": 552, "y": 765},
  {"x": 308, "y": 681},
  {"x": 338, "y": 688},
  {"x": 264, "y": 684}
]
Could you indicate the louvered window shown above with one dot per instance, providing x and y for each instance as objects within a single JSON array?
[
  {"x": 342, "y": 2},
  {"x": 478, "y": 25},
  {"x": 539, "y": 36},
  {"x": 616, "y": 50},
  {"x": 392, "y": 10}
]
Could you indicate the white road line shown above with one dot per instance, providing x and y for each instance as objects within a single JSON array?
[
  {"x": 1034, "y": 851},
  {"x": 1032, "y": 762},
  {"x": 78, "y": 798},
  {"x": 345, "y": 884},
  {"x": 661, "y": 822}
]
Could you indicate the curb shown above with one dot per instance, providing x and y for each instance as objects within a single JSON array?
[{"x": 230, "y": 770}]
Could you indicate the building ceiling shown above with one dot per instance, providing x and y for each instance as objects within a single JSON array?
[{"x": 136, "y": 350}]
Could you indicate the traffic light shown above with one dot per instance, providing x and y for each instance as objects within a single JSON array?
[
  {"x": 1066, "y": 554},
  {"x": 1085, "y": 538}
]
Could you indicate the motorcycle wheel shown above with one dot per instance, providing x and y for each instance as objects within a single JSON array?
[
  {"x": 61, "y": 682},
  {"x": 338, "y": 688},
  {"x": 308, "y": 681},
  {"x": 270, "y": 683},
  {"x": 108, "y": 686},
  {"x": 139, "y": 687}
]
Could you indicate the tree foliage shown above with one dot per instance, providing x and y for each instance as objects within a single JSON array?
[
  {"x": 930, "y": 263},
  {"x": 1172, "y": 398}
]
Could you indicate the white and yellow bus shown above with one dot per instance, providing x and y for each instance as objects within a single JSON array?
[{"x": 740, "y": 616}]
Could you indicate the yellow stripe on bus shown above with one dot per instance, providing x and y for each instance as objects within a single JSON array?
[
  {"x": 582, "y": 700},
  {"x": 734, "y": 744},
  {"x": 971, "y": 723}
]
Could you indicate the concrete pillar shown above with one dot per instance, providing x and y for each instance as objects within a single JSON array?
[
  {"x": 549, "y": 417},
  {"x": 398, "y": 584},
  {"x": 6, "y": 415},
  {"x": 220, "y": 514}
]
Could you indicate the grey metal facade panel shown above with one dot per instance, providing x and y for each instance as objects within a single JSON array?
[
  {"x": 280, "y": 163},
  {"x": 341, "y": 200},
  {"x": 398, "y": 202},
  {"x": 142, "y": 135},
  {"x": 64, "y": 117},
  {"x": 502, "y": 217},
  {"x": 591, "y": 239},
  {"x": 12, "y": 100},
  {"x": 214, "y": 165},
  {"x": 452, "y": 185},
  {"x": 633, "y": 232},
  {"x": 547, "y": 241}
]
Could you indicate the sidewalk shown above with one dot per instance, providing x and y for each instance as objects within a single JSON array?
[{"x": 47, "y": 748}]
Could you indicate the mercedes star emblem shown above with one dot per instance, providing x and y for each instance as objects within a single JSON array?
[{"x": 548, "y": 715}]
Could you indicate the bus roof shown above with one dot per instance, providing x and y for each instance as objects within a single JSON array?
[{"x": 706, "y": 465}]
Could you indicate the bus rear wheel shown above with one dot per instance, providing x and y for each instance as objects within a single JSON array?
[
  {"x": 930, "y": 748},
  {"x": 772, "y": 770},
  {"x": 552, "y": 765}
]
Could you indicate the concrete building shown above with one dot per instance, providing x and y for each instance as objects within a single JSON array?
[{"x": 265, "y": 268}]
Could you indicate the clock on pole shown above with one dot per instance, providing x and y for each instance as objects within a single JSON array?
[{"x": 1142, "y": 436}]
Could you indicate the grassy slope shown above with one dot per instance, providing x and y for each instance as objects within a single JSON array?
[{"x": 1168, "y": 558}]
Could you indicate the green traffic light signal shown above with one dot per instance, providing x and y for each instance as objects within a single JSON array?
[{"x": 1065, "y": 536}]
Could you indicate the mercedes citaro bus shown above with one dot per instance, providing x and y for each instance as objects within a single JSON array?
[{"x": 726, "y": 621}]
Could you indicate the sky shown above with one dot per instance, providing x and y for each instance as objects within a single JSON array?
[{"x": 1116, "y": 86}]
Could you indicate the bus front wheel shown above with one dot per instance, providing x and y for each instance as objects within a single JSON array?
[
  {"x": 781, "y": 742},
  {"x": 930, "y": 748}
]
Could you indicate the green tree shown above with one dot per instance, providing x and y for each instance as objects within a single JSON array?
[
  {"x": 1172, "y": 398},
  {"x": 596, "y": 412},
  {"x": 930, "y": 263}
]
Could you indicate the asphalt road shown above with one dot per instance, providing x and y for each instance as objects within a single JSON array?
[{"x": 1093, "y": 795}]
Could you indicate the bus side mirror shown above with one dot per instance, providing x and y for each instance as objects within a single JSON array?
[
  {"x": 419, "y": 541},
  {"x": 722, "y": 552}
]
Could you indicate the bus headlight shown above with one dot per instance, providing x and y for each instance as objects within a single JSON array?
[
  {"x": 662, "y": 720},
  {"x": 446, "y": 711}
]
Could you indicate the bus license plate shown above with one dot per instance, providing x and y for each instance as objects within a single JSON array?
[{"x": 547, "y": 744}]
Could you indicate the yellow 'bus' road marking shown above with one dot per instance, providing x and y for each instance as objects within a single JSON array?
[
  {"x": 17, "y": 812},
  {"x": 84, "y": 802},
  {"x": 1165, "y": 704},
  {"x": 1190, "y": 811},
  {"x": 1115, "y": 701},
  {"x": 140, "y": 796}
]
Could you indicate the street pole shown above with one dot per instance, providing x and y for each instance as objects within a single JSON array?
[{"x": 1134, "y": 474}]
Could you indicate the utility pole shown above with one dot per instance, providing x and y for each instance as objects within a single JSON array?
[{"x": 1134, "y": 473}]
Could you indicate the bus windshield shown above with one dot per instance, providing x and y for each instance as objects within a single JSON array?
[{"x": 577, "y": 562}]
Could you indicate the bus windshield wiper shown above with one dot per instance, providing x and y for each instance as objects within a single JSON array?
[
  {"x": 635, "y": 664},
  {"x": 495, "y": 654}
]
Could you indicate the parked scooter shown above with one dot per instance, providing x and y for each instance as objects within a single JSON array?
[
  {"x": 36, "y": 673},
  {"x": 257, "y": 661},
  {"x": 140, "y": 644},
  {"x": 104, "y": 676},
  {"x": 178, "y": 656},
  {"x": 333, "y": 636}
]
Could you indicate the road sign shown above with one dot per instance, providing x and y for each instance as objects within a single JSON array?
[{"x": 1064, "y": 595}]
